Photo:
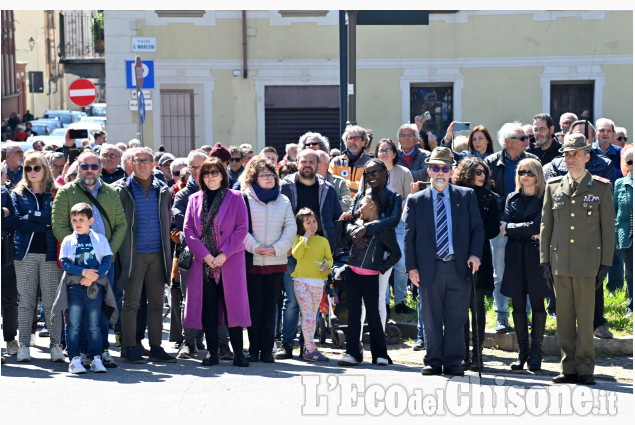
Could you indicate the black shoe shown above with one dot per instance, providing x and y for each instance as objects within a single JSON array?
[
  {"x": 453, "y": 371},
  {"x": 142, "y": 350},
  {"x": 253, "y": 357},
  {"x": 419, "y": 345},
  {"x": 210, "y": 360},
  {"x": 565, "y": 378},
  {"x": 240, "y": 360},
  {"x": 132, "y": 355},
  {"x": 402, "y": 308},
  {"x": 200, "y": 345},
  {"x": 429, "y": 370},
  {"x": 158, "y": 355},
  {"x": 586, "y": 380},
  {"x": 284, "y": 352},
  {"x": 225, "y": 353},
  {"x": 522, "y": 337},
  {"x": 267, "y": 357}
]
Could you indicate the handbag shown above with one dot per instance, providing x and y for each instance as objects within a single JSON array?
[
  {"x": 249, "y": 257},
  {"x": 185, "y": 259}
]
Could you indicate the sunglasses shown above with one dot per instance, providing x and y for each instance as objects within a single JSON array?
[
  {"x": 283, "y": 173},
  {"x": 235, "y": 159},
  {"x": 85, "y": 167},
  {"x": 308, "y": 145},
  {"x": 526, "y": 173},
  {"x": 479, "y": 172},
  {"x": 355, "y": 138},
  {"x": 213, "y": 173},
  {"x": 620, "y": 138},
  {"x": 37, "y": 168},
  {"x": 436, "y": 169},
  {"x": 522, "y": 139},
  {"x": 176, "y": 174},
  {"x": 373, "y": 173},
  {"x": 629, "y": 162}
]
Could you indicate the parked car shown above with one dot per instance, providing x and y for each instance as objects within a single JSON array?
[
  {"x": 42, "y": 128},
  {"x": 97, "y": 110},
  {"x": 101, "y": 120},
  {"x": 59, "y": 132},
  {"x": 66, "y": 116},
  {"x": 55, "y": 121},
  {"x": 88, "y": 125},
  {"x": 79, "y": 115}
]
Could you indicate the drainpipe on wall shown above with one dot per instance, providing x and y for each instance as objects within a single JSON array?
[{"x": 244, "y": 44}]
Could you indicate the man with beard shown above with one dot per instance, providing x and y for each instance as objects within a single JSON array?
[
  {"x": 350, "y": 165},
  {"x": 305, "y": 189},
  {"x": 449, "y": 216},
  {"x": 545, "y": 145},
  {"x": 110, "y": 221}
]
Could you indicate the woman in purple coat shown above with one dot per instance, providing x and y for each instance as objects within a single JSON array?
[{"x": 215, "y": 227}]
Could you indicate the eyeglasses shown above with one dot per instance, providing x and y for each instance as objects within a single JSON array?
[
  {"x": 284, "y": 173},
  {"x": 213, "y": 173},
  {"x": 620, "y": 138},
  {"x": 145, "y": 161},
  {"x": 110, "y": 156},
  {"x": 193, "y": 168},
  {"x": 373, "y": 173},
  {"x": 85, "y": 167},
  {"x": 37, "y": 168},
  {"x": 308, "y": 145},
  {"x": 266, "y": 176},
  {"x": 235, "y": 159},
  {"x": 385, "y": 151},
  {"x": 522, "y": 139},
  {"x": 176, "y": 173},
  {"x": 629, "y": 162},
  {"x": 354, "y": 138},
  {"x": 526, "y": 172},
  {"x": 479, "y": 172},
  {"x": 436, "y": 169}
]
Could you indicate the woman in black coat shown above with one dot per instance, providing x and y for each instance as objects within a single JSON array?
[
  {"x": 472, "y": 172},
  {"x": 521, "y": 225}
]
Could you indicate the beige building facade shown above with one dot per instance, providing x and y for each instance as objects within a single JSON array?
[{"x": 484, "y": 67}]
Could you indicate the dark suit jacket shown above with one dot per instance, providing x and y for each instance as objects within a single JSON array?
[{"x": 420, "y": 238}]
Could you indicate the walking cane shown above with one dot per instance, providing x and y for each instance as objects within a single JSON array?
[{"x": 478, "y": 335}]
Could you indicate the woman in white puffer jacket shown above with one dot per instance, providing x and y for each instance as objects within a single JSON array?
[{"x": 270, "y": 238}]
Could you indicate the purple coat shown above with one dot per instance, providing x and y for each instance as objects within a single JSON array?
[{"x": 232, "y": 226}]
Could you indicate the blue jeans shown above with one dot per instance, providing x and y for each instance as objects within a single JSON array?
[
  {"x": 400, "y": 276},
  {"x": 498, "y": 261},
  {"x": 290, "y": 307},
  {"x": 616, "y": 272},
  {"x": 420, "y": 328},
  {"x": 79, "y": 305}
]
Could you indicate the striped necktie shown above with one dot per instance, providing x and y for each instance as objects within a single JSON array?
[{"x": 443, "y": 242}]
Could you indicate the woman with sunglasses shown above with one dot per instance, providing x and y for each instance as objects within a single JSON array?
[
  {"x": 287, "y": 169},
  {"x": 36, "y": 252},
  {"x": 375, "y": 181},
  {"x": 472, "y": 172},
  {"x": 521, "y": 225},
  {"x": 273, "y": 230},
  {"x": 215, "y": 227},
  {"x": 623, "y": 202},
  {"x": 399, "y": 182}
]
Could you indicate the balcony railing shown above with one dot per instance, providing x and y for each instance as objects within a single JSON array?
[{"x": 82, "y": 35}]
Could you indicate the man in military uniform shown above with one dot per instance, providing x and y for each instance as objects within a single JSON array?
[{"x": 577, "y": 235}]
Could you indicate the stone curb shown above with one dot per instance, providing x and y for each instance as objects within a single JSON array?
[{"x": 618, "y": 346}]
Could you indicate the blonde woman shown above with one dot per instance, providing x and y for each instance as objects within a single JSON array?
[
  {"x": 36, "y": 252},
  {"x": 521, "y": 225}
]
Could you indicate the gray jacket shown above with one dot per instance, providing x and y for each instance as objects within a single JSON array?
[{"x": 61, "y": 297}]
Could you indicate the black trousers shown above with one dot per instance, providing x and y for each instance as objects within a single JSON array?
[
  {"x": 263, "y": 293},
  {"x": 358, "y": 288},
  {"x": 598, "y": 314},
  {"x": 477, "y": 306},
  {"x": 444, "y": 305},
  {"x": 9, "y": 302},
  {"x": 212, "y": 294}
]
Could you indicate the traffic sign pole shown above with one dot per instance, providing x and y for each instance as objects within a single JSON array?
[{"x": 141, "y": 109}]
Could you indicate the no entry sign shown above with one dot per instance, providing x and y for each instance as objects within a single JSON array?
[{"x": 82, "y": 92}]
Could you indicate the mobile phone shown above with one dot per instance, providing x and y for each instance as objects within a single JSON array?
[
  {"x": 80, "y": 133},
  {"x": 423, "y": 185},
  {"x": 426, "y": 115},
  {"x": 459, "y": 126}
]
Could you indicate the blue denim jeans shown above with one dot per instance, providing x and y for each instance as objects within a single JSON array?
[
  {"x": 498, "y": 261},
  {"x": 420, "y": 328},
  {"x": 400, "y": 276},
  {"x": 79, "y": 305},
  {"x": 290, "y": 307}
]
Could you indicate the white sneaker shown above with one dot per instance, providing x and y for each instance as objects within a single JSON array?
[
  {"x": 32, "y": 340},
  {"x": 97, "y": 366},
  {"x": 85, "y": 360},
  {"x": 57, "y": 353},
  {"x": 347, "y": 360},
  {"x": 24, "y": 354},
  {"x": 12, "y": 347},
  {"x": 382, "y": 361},
  {"x": 275, "y": 347},
  {"x": 75, "y": 366}
]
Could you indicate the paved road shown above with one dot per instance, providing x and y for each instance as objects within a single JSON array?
[{"x": 290, "y": 389}]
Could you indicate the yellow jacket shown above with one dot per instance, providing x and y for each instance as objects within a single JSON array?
[{"x": 310, "y": 255}]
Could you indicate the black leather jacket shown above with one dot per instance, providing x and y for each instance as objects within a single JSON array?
[
  {"x": 372, "y": 258},
  {"x": 389, "y": 218}
]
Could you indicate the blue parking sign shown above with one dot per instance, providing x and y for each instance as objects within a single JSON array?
[{"x": 148, "y": 75}]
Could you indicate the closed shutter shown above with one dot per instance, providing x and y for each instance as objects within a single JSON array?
[{"x": 286, "y": 125}]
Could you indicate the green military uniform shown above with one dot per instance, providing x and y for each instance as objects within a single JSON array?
[{"x": 577, "y": 235}]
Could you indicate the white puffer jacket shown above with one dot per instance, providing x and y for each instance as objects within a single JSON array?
[{"x": 273, "y": 225}]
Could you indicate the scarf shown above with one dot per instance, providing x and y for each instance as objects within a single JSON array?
[
  {"x": 266, "y": 195},
  {"x": 210, "y": 228}
]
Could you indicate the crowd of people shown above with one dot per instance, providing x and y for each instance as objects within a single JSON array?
[{"x": 98, "y": 232}]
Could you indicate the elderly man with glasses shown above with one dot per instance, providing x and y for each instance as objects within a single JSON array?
[
  {"x": 110, "y": 160},
  {"x": 350, "y": 165},
  {"x": 14, "y": 160}
]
